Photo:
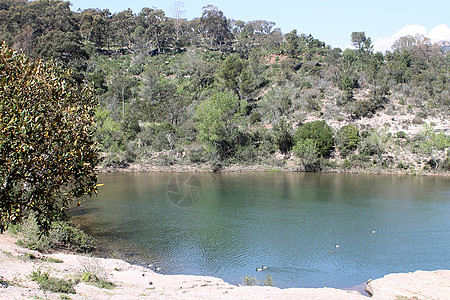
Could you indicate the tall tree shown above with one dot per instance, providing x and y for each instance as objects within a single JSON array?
[
  {"x": 178, "y": 12},
  {"x": 215, "y": 25},
  {"x": 217, "y": 123}
]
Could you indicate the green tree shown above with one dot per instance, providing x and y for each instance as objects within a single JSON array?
[
  {"x": 306, "y": 150},
  {"x": 283, "y": 136},
  {"x": 217, "y": 118},
  {"x": 347, "y": 139},
  {"x": 236, "y": 77},
  {"x": 47, "y": 148},
  {"x": 215, "y": 25},
  {"x": 358, "y": 39},
  {"x": 320, "y": 133}
]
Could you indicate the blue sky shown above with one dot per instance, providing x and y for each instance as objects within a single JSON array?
[{"x": 330, "y": 21}]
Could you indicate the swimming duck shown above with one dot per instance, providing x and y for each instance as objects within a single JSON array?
[
  {"x": 158, "y": 269},
  {"x": 374, "y": 231},
  {"x": 264, "y": 268},
  {"x": 337, "y": 246},
  {"x": 258, "y": 269},
  {"x": 331, "y": 251}
]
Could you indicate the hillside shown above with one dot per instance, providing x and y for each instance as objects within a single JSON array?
[{"x": 214, "y": 92}]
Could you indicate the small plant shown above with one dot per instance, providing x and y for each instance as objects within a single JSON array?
[
  {"x": 52, "y": 284},
  {"x": 61, "y": 234},
  {"x": 9, "y": 254},
  {"x": 29, "y": 256},
  {"x": 97, "y": 281},
  {"x": 268, "y": 281},
  {"x": 52, "y": 260},
  {"x": 3, "y": 282},
  {"x": 417, "y": 121},
  {"x": 94, "y": 273},
  {"x": 250, "y": 281}
]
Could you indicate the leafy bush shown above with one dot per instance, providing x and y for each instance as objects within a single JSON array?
[
  {"x": 347, "y": 139},
  {"x": 364, "y": 108},
  {"x": 52, "y": 284},
  {"x": 62, "y": 235},
  {"x": 306, "y": 151},
  {"x": 320, "y": 133},
  {"x": 250, "y": 281},
  {"x": 283, "y": 137},
  {"x": 255, "y": 117}
]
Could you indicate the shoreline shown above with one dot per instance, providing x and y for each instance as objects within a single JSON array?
[
  {"x": 204, "y": 168},
  {"x": 136, "y": 282}
]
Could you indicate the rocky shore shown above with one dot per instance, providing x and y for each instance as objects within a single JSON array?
[
  {"x": 290, "y": 167},
  {"x": 135, "y": 282}
]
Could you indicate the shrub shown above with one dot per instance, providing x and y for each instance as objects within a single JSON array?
[
  {"x": 306, "y": 151},
  {"x": 320, "y": 133},
  {"x": 250, "y": 281},
  {"x": 347, "y": 139},
  {"x": 52, "y": 284},
  {"x": 364, "y": 108},
  {"x": 255, "y": 117},
  {"x": 62, "y": 235},
  {"x": 97, "y": 281},
  {"x": 417, "y": 121},
  {"x": 401, "y": 135},
  {"x": 283, "y": 137},
  {"x": 268, "y": 281},
  {"x": 446, "y": 164}
]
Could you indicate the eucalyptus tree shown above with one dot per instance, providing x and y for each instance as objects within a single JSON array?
[{"x": 215, "y": 26}]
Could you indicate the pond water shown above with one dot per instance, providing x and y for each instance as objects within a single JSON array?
[{"x": 310, "y": 230}]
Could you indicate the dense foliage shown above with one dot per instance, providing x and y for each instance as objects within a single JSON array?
[
  {"x": 47, "y": 148},
  {"x": 319, "y": 133}
]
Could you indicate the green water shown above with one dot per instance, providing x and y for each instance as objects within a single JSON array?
[{"x": 226, "y": 225}]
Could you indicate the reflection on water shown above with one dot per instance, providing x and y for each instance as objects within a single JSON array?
[{"x": 290, "y": 222}]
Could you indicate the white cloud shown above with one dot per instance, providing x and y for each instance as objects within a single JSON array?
[{"x": 438, "y": 33}]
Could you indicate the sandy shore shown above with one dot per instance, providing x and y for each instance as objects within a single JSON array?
[{"x": 135, "y": 282}]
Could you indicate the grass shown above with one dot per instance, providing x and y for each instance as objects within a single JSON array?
[
  {"x": 94, "y": 273},
  {"x": 96, "y": 280},
  {"x": 30, "y": 256},
  {"x": 253, "y": 281},
  {"x": 52, "y": 284},
  {"x": 250, "y": 281},
  {"x": 268, "y": 281},
  {"x": 52, "y": 260},
  {"x": 9, "y": 254}
]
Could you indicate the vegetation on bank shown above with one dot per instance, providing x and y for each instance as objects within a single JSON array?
[
  {"x": 221, "y": 91},
  {"x": 61, "y": 236}
]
